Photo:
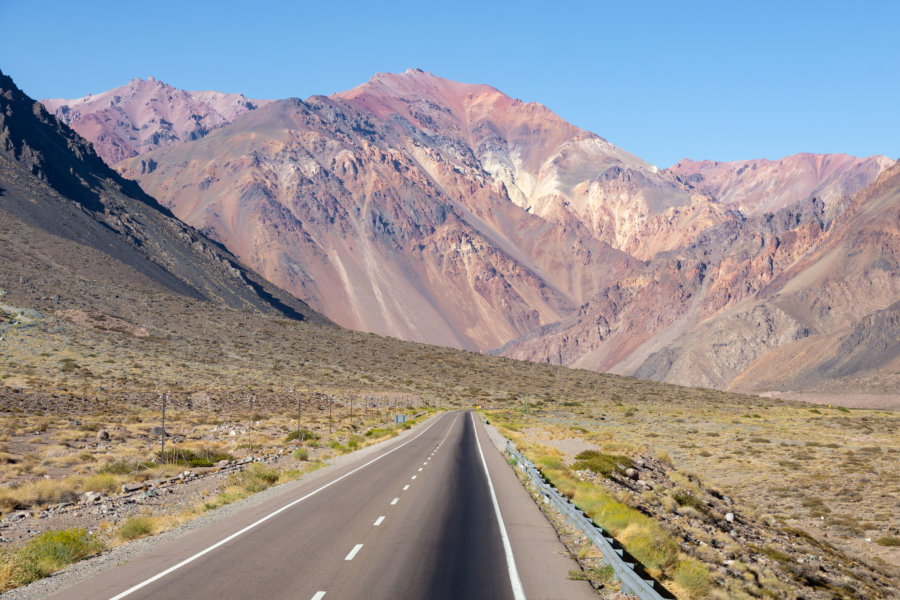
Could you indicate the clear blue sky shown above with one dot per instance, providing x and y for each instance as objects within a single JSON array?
[{"x": 664, "y": 80}]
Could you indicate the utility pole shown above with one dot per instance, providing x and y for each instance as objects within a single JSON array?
[
  {"x": 162, "y": 437},
  {"x": 299, "y": 411},
  {"x": 330, "y": 400},
  {"x": 351, "y": 411},
  {"x": 250, "y": 429}
]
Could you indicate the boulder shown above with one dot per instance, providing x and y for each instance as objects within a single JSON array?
[{"x": 103, "y": 435}]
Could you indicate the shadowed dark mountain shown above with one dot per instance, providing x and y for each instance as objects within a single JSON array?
[{"x": 53, "y": 182}]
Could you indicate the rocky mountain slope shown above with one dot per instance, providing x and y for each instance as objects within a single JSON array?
[
  {"x": 785, "y": 303},
  {"x": 59, "y": 197},
  {"x": 449, "y": 213},
  {"x": 144, "y": 115},
  {"x": 426, "y": 209},
  {"x": 761, "y": 186}
]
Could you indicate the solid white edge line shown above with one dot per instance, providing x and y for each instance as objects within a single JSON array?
[
  {"x": 518, "y": 591},
  {"x": 319, "y": 595},
  {"x": 353, "y": 552},
  {"x": 379, "y": 521},
  {"x": 191, "y": 559}
]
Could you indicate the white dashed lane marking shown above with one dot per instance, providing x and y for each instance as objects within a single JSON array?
[
  {"x": 405, "y": 487},
  {"x": 353, "y": 552},
  {"x": 319, "y": 595},
  {"x": 379, "y": 521},
  {"x": 395, "y": 501}
]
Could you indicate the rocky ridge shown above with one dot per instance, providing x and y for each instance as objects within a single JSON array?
[
  {"x": 53, "y": 182},
  {"x": 146, "y": 114},
  {"x": 449, "y": 213}
]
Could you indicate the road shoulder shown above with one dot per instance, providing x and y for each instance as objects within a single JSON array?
[{"x": 542, "y": 559}]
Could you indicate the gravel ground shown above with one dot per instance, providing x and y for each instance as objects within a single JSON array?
[{"x": 132, "y": 550}]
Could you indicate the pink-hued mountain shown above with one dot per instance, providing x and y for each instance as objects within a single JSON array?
[
  {"x": 457, "y": 217},
  {"x": 144, "y": 115},
  {"x": 756, "y": 187},
  {"x": 450, "y": 213}
]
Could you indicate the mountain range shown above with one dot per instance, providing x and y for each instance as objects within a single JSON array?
[{"x": 450, "y": 213}]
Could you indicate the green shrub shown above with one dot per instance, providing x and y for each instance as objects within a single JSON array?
[
  {"x": 684, "y": 498},
  {"x": 301, "y": 454},
  {"x": 888, "y": 541},
  {"x": 45, "y": 554},
  {"x": 125, "y": 467},
  {"x": 603, "y": 574},
  {"x": 190, "y": 458},
  {"x": 255, "y": 478},
  {"x": 650, "y": 545},
  {"x": 693, "y": 577},
  {"x": 136, "y": 527},
  {"x": 377, "y": 432},
  {"x": 302, "y": 435},
  {"x": 602, "y": 464},
  {"x": 101, "y": 482}
]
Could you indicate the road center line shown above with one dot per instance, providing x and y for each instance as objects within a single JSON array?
[
  {"x": 353, "y": 552},
  {"x": 414, "y": 476},
  {"x": 319, "y": 595},
  {"x": 405, "y": 487},
  {"x": 379, "y": 521},
  {"x": 395, "y": 501},
  {"x": 518, "y": 591},
  {"x": 221, "y": 542},
  {"x": 420, "y": 469}
]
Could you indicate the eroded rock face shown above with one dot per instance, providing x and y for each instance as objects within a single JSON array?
[
  {"x": 425, "y": 209},
  {"x": 449, "y": 213},
  {"x": 756, "y": 187}
]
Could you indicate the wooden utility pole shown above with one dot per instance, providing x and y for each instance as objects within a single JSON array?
[
  {"x": 330, "y": 400},
  {"x": 299, "y": 411},
  {"x": 162, "y": 436},
  {"x": 250, "y": 429}
]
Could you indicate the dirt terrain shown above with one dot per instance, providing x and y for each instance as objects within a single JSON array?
[{"x": 769, "y": 496}]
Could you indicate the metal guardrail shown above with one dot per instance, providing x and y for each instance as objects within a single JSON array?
[{"x": 613, "y": 554}]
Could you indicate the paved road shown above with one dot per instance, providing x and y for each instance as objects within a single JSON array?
[{"x": 418, "y": 519}]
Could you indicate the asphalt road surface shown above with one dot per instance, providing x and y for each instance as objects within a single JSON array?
[{"x": 435, "y": 514}]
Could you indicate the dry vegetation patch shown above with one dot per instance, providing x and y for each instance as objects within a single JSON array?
[{"x": 736, "y": 499}]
